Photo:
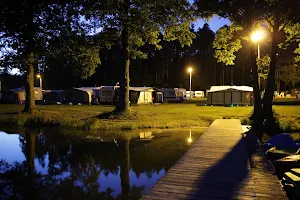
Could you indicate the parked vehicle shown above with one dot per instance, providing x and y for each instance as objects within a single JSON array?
[
  {"x": 107, "y": 94},
  {"x": 199, "y": 94},
  {"x": 173, "y": 94}
]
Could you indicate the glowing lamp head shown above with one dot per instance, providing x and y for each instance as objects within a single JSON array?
[
  {"x": 190, "y": 69},
  {"x": 257, "y": 36},
  {"x": 38, "y": 76},
  {"x": 190, "y": 140}
]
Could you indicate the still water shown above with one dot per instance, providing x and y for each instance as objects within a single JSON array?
[{"x": 62, "y": 164}]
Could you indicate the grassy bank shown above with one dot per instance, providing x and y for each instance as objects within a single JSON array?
[{"x": 143, "y": 116}]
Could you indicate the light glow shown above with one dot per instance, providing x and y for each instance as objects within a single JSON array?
[
  {"x": 257, "y": 36},
  {"x": 190, "y": 140},
  {"x": 190, "y": 69}
]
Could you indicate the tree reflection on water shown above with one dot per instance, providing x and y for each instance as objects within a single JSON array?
[{"x": 60, "y": 166}]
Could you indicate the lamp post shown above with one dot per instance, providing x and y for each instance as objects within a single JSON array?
[
  {"x": 40, "y": 77},
  {"x": 256, "y": 37},
  {"x": 190, "y": 70}
]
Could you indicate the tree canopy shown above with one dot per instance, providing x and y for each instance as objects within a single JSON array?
[{"x": 139, "y": 22}]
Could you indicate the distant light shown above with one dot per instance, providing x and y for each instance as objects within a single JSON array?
[
  {"x": 38, "y": 76},
  {"x": 190, "y": 69},
  {"x": 257, "y": 36}
]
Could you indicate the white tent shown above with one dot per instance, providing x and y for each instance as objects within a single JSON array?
[
  {"x": 83, "y": 95},
  {"x": 230, "y": 95},
  {"x": 141, "y": 95}
]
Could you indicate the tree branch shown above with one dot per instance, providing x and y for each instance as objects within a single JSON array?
[
  {"x": 285, "y": 24},
  {"x": 268, "y": 21}
]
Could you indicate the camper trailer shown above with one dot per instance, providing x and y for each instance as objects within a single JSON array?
[
  {"x": 173, "y": 94},
  {"x": 107, "y": 93},
  {"x": 199, "y": 94}
]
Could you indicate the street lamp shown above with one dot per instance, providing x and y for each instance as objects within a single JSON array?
[
  {"x": 256, "y": 37},
  {"x": 190, "y": 140},
  {"x": 40, "y": 77},
  {"x": 190, "y": 70}
]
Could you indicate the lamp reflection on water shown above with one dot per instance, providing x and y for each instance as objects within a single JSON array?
[{"x": 190, "y": 140}]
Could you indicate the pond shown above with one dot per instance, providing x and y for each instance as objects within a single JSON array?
[{"x": 66, "y": 164}]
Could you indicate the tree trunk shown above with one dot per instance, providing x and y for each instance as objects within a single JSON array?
[
  {"x": 270, "y": 87},
  {"x": 215, "y": 74},
  {"x": 29, "y": 59},
  {"x": 124, "y": 171},
  {"x": 30, "y": 100},
  {"x": 123, "y": 105},
  {"x": 278, "y": 86},
  {"x": 223, "y": 74},
  {"x": 232, "y": 75}
]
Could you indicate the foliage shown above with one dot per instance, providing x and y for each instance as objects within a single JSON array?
[
  {"x": 289, "y": 74},
  {"x": 37, "y": 35},
  {"x": 263, "y": 65},
  {"x": 226, "y": 44},
  {"x": 147, "y": 20}
]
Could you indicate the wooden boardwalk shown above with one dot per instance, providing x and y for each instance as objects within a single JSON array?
[{"x": 216, "y": 167}]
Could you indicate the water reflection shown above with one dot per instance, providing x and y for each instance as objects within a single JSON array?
[
  {"x": 190, "y": 140},
  {"x": 56, "y": 164}
]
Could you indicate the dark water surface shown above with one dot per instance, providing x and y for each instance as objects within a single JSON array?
[{"x": 64, "y": 164}]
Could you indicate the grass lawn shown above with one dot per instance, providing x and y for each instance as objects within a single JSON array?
[{"x": 143, "y": 116}]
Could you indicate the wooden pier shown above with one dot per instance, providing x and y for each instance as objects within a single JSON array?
[{"x": 216, "y": 167}]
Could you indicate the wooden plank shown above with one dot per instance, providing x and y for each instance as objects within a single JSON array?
[{"x": 216, "y": 167}]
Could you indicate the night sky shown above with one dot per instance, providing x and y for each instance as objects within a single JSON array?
[{"x": 215, "y": 23}]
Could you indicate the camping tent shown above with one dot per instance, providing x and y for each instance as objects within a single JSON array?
[
  {"x": 83, "y": 95},
  {"x": 230, "y": 95},
  {"x": 18, "y": 95},
  {"x": 141, "y": 95},
  {"x": 53, "y": 96}
]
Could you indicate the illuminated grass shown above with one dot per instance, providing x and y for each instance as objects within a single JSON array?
[{"x": 142, "y": 116}]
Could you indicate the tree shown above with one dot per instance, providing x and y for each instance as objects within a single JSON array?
[
  {"x": 28, "y": 29},
  {"x": 23, "y": 28},
  {"x": 139, "y": 22},
  {"x": 226, "y": 44},
  {"x": 277, "y": 16}
]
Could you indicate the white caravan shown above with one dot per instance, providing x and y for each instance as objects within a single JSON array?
[{"x": 107, "y": 94}]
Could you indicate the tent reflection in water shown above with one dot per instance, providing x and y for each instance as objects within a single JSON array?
[{"x": 230, "y": 95}]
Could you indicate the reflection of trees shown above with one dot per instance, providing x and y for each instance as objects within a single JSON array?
[
  {"x": 75, "y": 165},
  {"x": 124, "y": 170},
  {"x": 30, "y": 149}
]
